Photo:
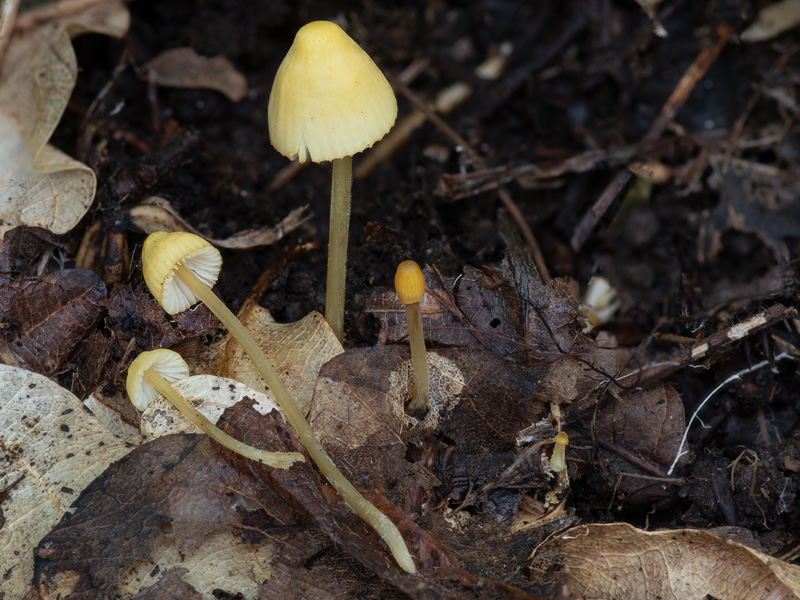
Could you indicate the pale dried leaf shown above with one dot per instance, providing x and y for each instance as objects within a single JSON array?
[
  {"x": 772, "y": 21},
  {"x": 619, "y": 561},
  {"x": 157, "y": 214},
  {"x": 50, "y": 449},
  {"x": 55, "y": 199},
  {"x": 40, "y": 185},
  {"x": 112, "y": 420},
  {"x": 296, "y": 350},
  {"x": 210, "y": 395},
  {"x": 184, "y": 68}
]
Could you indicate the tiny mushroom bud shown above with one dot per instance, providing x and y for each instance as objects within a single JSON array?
[
  {"x": 558, "y": 462},
  {"x": 329, "y": 101},
  {"x": 178, "y": 269},
  {"x": 410, "y": 286},
  {"x": 152, "y": 373},
  {"x": 599, "y": 303}
]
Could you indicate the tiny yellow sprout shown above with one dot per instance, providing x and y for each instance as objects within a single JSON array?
[
  {"x": 153, "y": 373},
  {"x": 410, "y": 286},
  {"x": 558, "y": 462}
]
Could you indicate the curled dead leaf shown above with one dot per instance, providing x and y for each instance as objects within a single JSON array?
[
  {"x": 184, "y": 68},
  {"x": 40, "y": 185},
  {"x": 619, "y": 561},
  {"x": 157, "y": 214}
]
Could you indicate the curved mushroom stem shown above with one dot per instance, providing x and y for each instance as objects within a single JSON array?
[
  {"x": 279, "y": 460},
  {"x": 341, "y": 185},
  {"x": 364, "y": 509},
  {"x": 419, "y": 360}
]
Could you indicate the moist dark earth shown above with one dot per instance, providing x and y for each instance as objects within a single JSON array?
[{"x": 581, "y": 76}]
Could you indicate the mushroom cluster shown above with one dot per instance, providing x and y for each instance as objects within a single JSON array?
[{"x": 179, "y": 269}]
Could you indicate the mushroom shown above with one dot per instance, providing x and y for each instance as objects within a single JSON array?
[
  {"x": 152, "y": 373},
  {"x": 410, "y": 286},
  {"x": 599, "y": 303},
  {"x": 558, "y": 462},
  {"x": 329, "y": 101},
  {"x": 178, "y": 268}
]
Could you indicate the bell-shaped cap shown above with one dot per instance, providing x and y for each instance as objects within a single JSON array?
[
  {"x": 163, "y": 252},
  {"x": 409, "y": 282},
  {"x": 328, "y": 100},
  {"x": 166, "y": 363}
]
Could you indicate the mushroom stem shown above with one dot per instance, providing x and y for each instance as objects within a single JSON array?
[
  {"x": 341, "y": 185},
  {"x": 364, "y": 509},
  {"x": 558, "y": 462},
  {"x": 416, "y": 338},
  {"x": 279, "y": 460}
]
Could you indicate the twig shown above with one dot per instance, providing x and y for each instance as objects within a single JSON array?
[
  {"x": 659, "y": 369},
  {"x": 456, "y": 186},
  {"x": 735, "y": 377},
  {"x": 674, "y": 103}
]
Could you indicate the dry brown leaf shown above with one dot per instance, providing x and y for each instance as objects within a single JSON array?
[
  {"x": 504, "y": 309},
  {"x": 296, "y": 350},
  {"x": 773, "y": 20},
  {"x": 648, "y": 424},
  {"x": 184, "y": 68},
  {"x": 175, "y": 519},
  {"x": 619, "y": 561},
  {"x": 438, "y": 576},
  {"x": 40, "y": 185},
  {"x": 50, "y": 449},
  {"x": 170, "y": 515},
  {"x": 755, "y": 199},
  {"x": 157, "y": 214},
  {"x": 47, "y": 316},
  {"x": 24, "y": 246},
  {"x": 476, "y": 399}
]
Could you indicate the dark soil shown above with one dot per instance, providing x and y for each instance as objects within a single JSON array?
[{"x": 583, "y": 75}]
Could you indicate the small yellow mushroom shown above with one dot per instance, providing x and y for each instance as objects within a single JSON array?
[
  {"x": 558, "y": 462},
  {"x": 178, "y": 269},
  {"x": 329, "y": 101},
  {"x": 410, "y": 286},
  {"x": 153, "y": 373}
]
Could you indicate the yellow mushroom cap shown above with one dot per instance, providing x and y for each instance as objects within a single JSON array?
[
  {"x": 409, "y": 282},
  {"x": 163, "y": 252},
  {"x": 562, "y": 438},
  {"x": 166, "y": 363},
  {"x": 328, "y": 100}
]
